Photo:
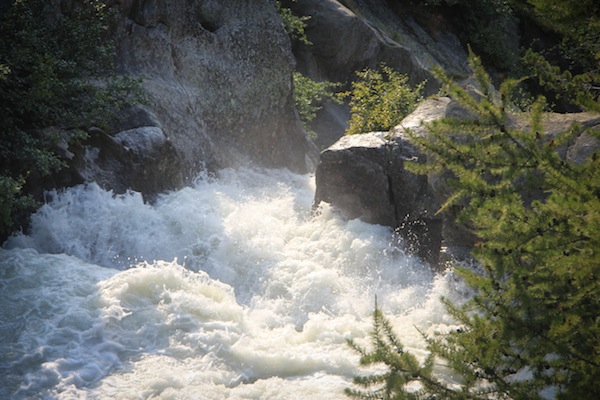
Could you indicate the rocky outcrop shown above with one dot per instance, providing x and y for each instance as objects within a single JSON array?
[
  {"x": 137, "y": 156},
  {"x": 344, "y": 41},
  {"x": 364, "y": 177},
  {"x": 217, "y": 77}
]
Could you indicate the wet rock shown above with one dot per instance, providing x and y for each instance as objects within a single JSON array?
[
  {"x": 140, "y": 159},
  {"x": 364, "y": 177},
  {"x": 218, "y": 75}
]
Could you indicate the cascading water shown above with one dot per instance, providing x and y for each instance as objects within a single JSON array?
[{"x": 230, "y": 289}]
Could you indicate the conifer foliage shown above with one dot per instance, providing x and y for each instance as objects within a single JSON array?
[{"x": 532, "y": 329}]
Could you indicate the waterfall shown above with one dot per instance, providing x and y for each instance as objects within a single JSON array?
[{"x": 233, "y": 288}]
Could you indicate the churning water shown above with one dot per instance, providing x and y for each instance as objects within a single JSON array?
[{"x": 230, "y": 289}]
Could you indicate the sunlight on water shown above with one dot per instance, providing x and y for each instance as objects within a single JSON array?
[{"x": 231, "y": 289}]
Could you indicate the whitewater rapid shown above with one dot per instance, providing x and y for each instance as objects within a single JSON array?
[{"x": 233, "y": 288}]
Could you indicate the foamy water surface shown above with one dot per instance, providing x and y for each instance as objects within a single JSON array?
[{"x": 233, "y": 288}]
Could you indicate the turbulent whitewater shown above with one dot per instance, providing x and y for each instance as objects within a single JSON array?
[{"x": 233, "y": 288}]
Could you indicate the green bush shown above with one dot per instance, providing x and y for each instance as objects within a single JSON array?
[
  {"x": 53, "y": 73},
  {"x": 293, "y": 24},
  {"x": 380, "y": 99},
  {"x": 533, "y": 323},
  {"x": 309, "y": 96}
]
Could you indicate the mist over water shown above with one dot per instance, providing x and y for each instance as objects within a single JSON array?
[{"x": 233, "y": 288}]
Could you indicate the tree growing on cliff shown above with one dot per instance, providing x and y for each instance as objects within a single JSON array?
[{"x": 532, "y": 329}]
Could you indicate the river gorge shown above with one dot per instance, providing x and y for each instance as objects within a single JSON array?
[{"x": 232, "y": 288}]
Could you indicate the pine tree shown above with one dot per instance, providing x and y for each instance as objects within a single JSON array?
[{"x": 534, "y": 321}]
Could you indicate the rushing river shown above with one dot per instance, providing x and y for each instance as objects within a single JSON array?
[{"x": 233, "y": 288}]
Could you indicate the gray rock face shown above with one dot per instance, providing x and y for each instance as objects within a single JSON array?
[
  {"x": 364, "y": 177},
  {"x": 140, "y": 159},
  {"x": 345, "y": 42},
  {"x": 218, "y": 76}
]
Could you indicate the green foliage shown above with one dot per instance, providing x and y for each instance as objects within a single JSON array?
[
  {"x": 404, "y": 368},
  {"x": 533, "y": 323},
  {"x": 380, "y": 99},
  {"x": 294, "y": 24},
  {"x": 582, "y": 90},
  {"x": 309, "y": 96},
  {"x": 52, "y": 73},
  {"x": 489, "y": 26},
  {"x": 578, "y": 21},
  {"x": 11, "y": 199}
]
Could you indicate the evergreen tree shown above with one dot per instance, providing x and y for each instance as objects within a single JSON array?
[{"x": 533, "y": 325}]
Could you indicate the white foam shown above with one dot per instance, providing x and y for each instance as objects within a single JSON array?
[{"x": 244, "y": 293}]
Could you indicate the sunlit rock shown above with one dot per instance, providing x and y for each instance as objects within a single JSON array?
[
  {"x": 219, "y": 76},
  {"x": 364, "y": 177}
]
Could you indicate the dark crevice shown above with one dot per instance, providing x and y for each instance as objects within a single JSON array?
[
  {"x": 207, "y": 25},
  {"x": 388, "y": 168}
]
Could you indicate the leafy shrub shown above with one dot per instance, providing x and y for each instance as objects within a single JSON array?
[
  {"x": 380, "y": 99},
  {"x": 309, "y": 96},
  {"x": 53, "y": 72},
  {"x": 293, "y": 24},
  {"x": 532, "y": 326}
]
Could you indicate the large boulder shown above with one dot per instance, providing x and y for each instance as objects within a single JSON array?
[
  {"x": 344, "y": 41},
  {"x": 364, "y": 177},
  {"x": 140, "y": 157}
]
